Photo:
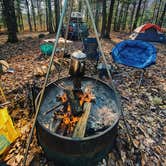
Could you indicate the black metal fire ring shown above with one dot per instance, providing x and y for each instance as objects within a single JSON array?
[{"x": 88, "y": 137}]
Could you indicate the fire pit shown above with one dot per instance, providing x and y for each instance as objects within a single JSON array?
[
  {"x": 99, "y": 140},
  {"x": 78, "y": 126}
]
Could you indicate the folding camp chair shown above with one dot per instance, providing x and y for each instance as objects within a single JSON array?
[
  {"x": 90, "y": 48},
  {"x": 134, "y": 53}
]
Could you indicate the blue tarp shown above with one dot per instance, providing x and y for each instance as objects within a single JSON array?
[{"x": 134, "y": 53}]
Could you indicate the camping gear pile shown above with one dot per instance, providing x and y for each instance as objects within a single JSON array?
[{"x": 77, "y": 29}]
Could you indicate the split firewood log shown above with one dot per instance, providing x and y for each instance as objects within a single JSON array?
[{"x": 79, "y": 131}]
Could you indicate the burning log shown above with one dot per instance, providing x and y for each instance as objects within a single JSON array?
[
  {"x": 73, "y": 99},
  {"x": 80, "y": 128}
]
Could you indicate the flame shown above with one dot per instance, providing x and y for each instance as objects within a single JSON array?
[
  {"x": 69, "y": 121},
  {"x": 64, "y": 98},
  {"x": 85, "y": 98}
]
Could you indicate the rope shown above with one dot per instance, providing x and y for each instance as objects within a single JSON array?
[{"x": 45, "y": 82}]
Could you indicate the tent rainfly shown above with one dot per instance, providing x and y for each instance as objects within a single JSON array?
[{"x": 148, "y": 32}]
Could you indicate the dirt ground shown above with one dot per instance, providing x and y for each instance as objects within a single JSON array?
[{"x": 144, "y": 106}]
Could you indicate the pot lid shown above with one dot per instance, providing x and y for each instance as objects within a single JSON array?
[{"x": 78, "y": 55}]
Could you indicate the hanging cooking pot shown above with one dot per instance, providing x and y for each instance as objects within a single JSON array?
[{"x": 77, "y": 65}]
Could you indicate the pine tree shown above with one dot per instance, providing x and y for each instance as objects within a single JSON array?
[
  {"x": 104, "y": 15},
  {"x": 137, "y": 14},
  {"x": 28, "y": 15},
  {"x": 109, "y": 21},
  {"x": 10, "y": 19}
]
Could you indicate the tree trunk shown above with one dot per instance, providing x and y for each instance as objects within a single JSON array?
[
  {"x": 46, "y": 5},
  {"x": 97, "y": 15},
  {"x": 19, "y": 16},
  {"x": 162, "y": 16},
  {"x": 10, "y": 19},
  {"x": 158, "y": 12},
  {"x": 39, "y": 13},
  {"x": 109, "y": 21},
  {"x": 120, "y": 16},
  {"x": 104, "y": 15},
  {"x": 143, "y": 10},
  {"x": 116, "y": 15},
  {"x": 3, "y": 17},
  {"x": 22, "y": 23},
  {"x": 154, "y": 10},
  {"x": 137, "y": 14},
  {"x": 50, "y": 27},
  {"x": 28, "y": 15},
  {"x": 87, "y": 15},
  {"x": 132, "y": 16},
  {"x": 125, "y": 16},
  {"x": 80, "y": 6},
  {"x": 57, "y": 13},
  {"x": 34, "y": 15}
]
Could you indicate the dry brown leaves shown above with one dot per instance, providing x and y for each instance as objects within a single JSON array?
[{"x": 144, "y": 107}]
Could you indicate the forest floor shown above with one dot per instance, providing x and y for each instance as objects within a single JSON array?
[{"x": 144, "y": 106}]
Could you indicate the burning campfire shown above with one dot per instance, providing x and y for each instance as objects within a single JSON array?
[
  {"x": 71, "y": 115},
  {"x": 72, "y": 112}
]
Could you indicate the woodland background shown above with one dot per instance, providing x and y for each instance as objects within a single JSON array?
[{"x": 110, "y": 15}]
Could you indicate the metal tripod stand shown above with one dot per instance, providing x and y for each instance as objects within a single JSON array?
[{"x": 51, "y": 61}]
